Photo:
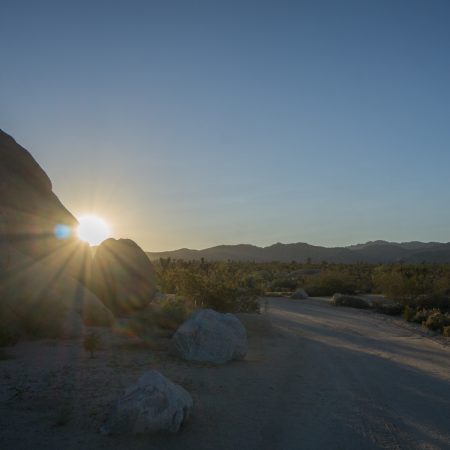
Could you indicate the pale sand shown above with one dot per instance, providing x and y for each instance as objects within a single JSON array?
[{"x": 321, "y": 378}]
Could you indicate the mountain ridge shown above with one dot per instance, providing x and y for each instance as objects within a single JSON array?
[{"x": 378, "y": 251}]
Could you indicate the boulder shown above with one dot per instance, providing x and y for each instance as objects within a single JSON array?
[
  {"x": 36, "y": 299},
  {"x": 209, "y": 336},
  {"x": 122, "y": 276},
  {"x": 5, "y": 247},
  {"x": 153, "y": 404},
  {"x": 33, "y": 220},
  {"x": 299, "y": 294},
  {"x": 350, "y": 300},
  {"x": 43, "y": 267}
]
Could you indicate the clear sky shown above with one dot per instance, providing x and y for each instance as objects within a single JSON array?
[{"x": 196, "y": 123}]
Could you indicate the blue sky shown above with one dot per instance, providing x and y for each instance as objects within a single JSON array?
[{"x": 196, "y": 123}]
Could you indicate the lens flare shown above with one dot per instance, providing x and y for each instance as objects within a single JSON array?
[
  {"x": 92, "y": 229},
  {"x": 62, "y": 231}
]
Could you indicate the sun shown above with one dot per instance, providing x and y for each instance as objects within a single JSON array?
[{"x": 92, "y": 229}]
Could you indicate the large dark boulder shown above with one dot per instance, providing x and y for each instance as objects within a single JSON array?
[
  {"x": 44, "y": 268},
  {"x": 33, "y": 220},
  {"x": 122, "y": 276},
  {"x": 36, "y": 299}
]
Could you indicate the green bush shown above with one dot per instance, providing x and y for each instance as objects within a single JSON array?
[
  {"x": 172, "y": 313},
  {"x": 421, "y": 316},
  {"x": 437, "y": 321},
  {"x": 421, "y": 285},
  {"x": 431, "y": 301},
  {"x": 328, "y": 283},
  {"x": 159, "y": 320},
  {"x": 283, "y": 285},
  {"x": 388, "y": 307},
  {"x": 409, "y": 313},
  {"x": 225, "y": 287}
]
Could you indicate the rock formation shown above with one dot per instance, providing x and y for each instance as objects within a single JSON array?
[
  {"x": 34, "y": 221},
  {"x": 42, "y": 264},
  {"x": 122, "y": 276}
]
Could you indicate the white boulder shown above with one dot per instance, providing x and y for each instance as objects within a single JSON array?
[
  {"x": 153, "y": 404},
  {"x": 209, "y": 336}
]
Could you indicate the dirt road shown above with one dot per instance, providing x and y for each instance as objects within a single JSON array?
[
  {"x": 326, "y": 378},
  {"x": 367, "y": 381}
]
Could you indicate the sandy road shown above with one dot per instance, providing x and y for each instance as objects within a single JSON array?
[
  {"x": 367, "y": 382},
  {"x": 326, "y": 378}
]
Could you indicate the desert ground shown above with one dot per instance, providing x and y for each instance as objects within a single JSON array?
[{"x": 316, "y": 377}]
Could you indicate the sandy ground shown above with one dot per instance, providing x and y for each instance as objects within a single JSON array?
[{"x": 323, "y": 378}]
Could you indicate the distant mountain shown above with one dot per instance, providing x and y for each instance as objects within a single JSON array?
[{"x": 371, "y": 252}]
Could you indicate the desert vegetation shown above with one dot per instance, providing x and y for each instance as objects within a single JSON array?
[
  {"x": 419, "y": 292},
  {"x": 223, "y": 286}
]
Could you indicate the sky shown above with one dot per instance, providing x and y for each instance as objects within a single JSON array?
[{"x": 198, "y": 123}]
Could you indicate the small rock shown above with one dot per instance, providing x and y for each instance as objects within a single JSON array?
[{"x": 300, "y": 294}]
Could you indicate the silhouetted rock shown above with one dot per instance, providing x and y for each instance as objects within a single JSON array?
[
  {"x": 154, "y": 404},
  {"x": 38, "y": 300},
  {"x": 34, "y": 220},
  {"x": 5, "y": 247},
  {"x": 209, "y": 336},
  {"x": 122, "y": 276},
  {"x": 40, "y": 258}
]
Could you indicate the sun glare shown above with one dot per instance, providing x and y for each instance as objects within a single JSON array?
[{"x": 92, "y": 230}]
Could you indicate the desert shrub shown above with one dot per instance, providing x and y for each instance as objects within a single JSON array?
[
  {"x": 328, "y": 283},
  {"x": 225, "y": 287},
  {"x": 349, "y": 300},
  {"x": 437, "y": 321},
  {"x": 283, "y": 285},
  {"x": 9, "y": 335},
  {"x": 409, "y": 313},
  {"x": 431, "y": 301},
  {"x": 421, "y": 316},
  {"x": 91, "y": 343},
  {"x": 388, "y": 307},
  {"x": 161, "y": 320},
  {"x": 446, "y": 331},
  {"x": 421, "y": 285},
  {"x": 172, "y": 313}
]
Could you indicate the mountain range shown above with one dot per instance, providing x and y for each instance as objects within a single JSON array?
[{"x": 369, "y": 252}]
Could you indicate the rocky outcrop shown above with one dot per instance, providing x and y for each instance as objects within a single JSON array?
[
  {"x": 209, "y": 336},
  {"x": 300, "y": 294},
  {"x": 154, "y": 404},
  {"x": 43, "y": 266},
  {"x": 123, "y": 276},
  {"x": 34, "y": 221}
]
